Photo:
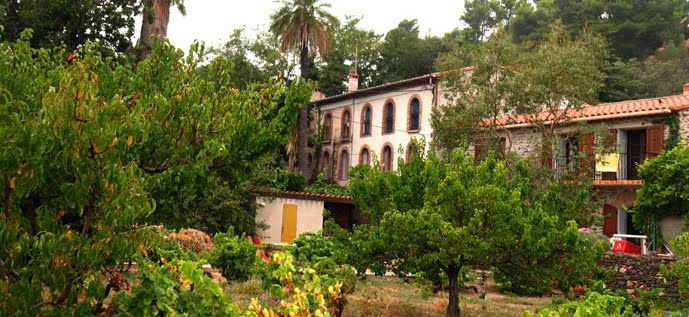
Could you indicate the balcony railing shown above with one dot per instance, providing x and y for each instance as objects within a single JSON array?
[{"x": 614, "y": 166}]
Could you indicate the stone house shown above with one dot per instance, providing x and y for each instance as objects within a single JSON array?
[{"x": 627, "y": 133}]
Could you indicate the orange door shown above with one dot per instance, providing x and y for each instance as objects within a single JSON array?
[
  {"x": 610, "y": 220},
  {"x": 289, "y": 223}
]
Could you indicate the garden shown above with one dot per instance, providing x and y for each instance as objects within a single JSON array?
[{"x": 94, "y": 151}]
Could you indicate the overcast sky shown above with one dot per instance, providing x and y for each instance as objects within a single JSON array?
[{"x": 213, "y": 20}]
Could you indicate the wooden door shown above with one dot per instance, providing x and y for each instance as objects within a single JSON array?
[
  {"x": 609, "y": 220},
  {"x": 289, "y": 223}
]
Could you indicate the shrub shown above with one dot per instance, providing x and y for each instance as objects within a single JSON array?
[
  {"x": 680, "y": 269},
  {"x": 173, "y": 288},
  {"x": 234, "y": 255},
  {"x": 309, "y": 246},
  {"x": 593, "y": 304}
]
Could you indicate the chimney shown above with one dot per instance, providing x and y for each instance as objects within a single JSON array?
[
  {"x": 686, "y": 89},
  {"x": 353, "y": 82},
  {"x": 317, "y": 94}
]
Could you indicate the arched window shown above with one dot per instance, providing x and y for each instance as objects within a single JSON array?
[
  {"x": 387, "y": 158},
  {"x": 366, "y": 121},
  {"x": 326, "y": 165},
  {"x": 344, "y": 165},
  {"x": 364, "y": 158},
  {"x": 389, "y": 118},
  {"x": 346, "y": 124},
  {"x": 327, "y": 127},
  {"x": 414, "y": 115}
]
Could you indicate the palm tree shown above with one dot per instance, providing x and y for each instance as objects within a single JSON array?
[
  {"x": 303, "y": 25},
  {"x": 156, "y": 18}
]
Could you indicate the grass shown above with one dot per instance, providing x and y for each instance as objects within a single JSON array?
[{"x": 390, "y": 297}]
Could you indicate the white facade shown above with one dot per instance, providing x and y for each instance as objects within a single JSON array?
[
  {"x": 309, "y": 217},
  {"x": 344, "y": 141}
]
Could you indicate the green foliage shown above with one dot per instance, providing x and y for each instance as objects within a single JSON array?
[
  {"x": 349, "y": 44},
  {"x": 90, "y": 148},
  {"x": 308, "y": 247},
  {"x": 72, "y": 23},
  {"x": 661, "y": 74},
  {"x": 176, "y": 287},
  {"x": 234, "y": 255},
  {"x": 403, "y": 54},
  {"x": 311, "y": 294},
  {"x": 557, "y": 74},
  {"x": 679, "y": 270},
  {"x": 323, "y": 187},
  {"x": 436, "y": 217},
  {"x": 664, "y": 184},
  {"x": 595, "y": 237},
  {"x": 593, "y": 304},
  {"x": 633, "y": 29}
]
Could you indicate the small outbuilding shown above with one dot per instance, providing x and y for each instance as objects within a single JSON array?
[{"x": 289, "y": 214}]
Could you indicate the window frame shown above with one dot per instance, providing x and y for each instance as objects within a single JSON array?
[
  {"x": 410, "y": 114},
  {"x": 388, "y": 104}
]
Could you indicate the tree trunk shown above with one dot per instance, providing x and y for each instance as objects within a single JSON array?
[
  {"x": 453, "y": 306},
  {"x": 303, "y": 127},
  {"x": 155, "y": 21}
]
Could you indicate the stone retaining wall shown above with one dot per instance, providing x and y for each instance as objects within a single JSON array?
[{"x": 637, "y": 272}]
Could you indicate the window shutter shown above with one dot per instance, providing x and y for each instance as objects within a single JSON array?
[
  {"x": 611, "y": 141},
  {"x": 654, "y": 140},
  {"x": 547, "y": 155},
  {"x": 586, "y": 152},
  {"x": 479, "y": 149}
]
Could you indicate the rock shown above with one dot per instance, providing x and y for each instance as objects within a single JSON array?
[
  {"x": 630, "y": 284},
  {"x": 662, "y": 294},
  {"x": 631, "y": 291}
]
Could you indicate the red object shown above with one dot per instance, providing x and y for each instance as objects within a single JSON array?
[
  {"x": 626, "y": 247},
  {"x": 70, "y": 57},
  {"x": 258, "y": 240}
]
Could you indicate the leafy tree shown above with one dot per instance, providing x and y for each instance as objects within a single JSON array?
[
  {"x": 350, "y": 45},
  {"x": 634, "y": 29},
  {"x": 664, "y": 187},
  {"x": 434, "y": 217},
  {"x": 256, "y": 60},
  {"x": 303, "y": 25},
  {"x": 557, "y": 76},
  {"x": 109, "y": 22},
  {"x": 156, "y": 18},
  {"x": 661, "y": 74},
  {"x": 405, "y": 55},
  {"x": 483, "y": 16},
  {"x": 90, "y": 148}
]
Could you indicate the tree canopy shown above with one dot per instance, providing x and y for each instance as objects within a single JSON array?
[{"x": 437, "y": 218}]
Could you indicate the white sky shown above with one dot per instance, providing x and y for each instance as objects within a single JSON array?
[{"x": 214, "y": 20}]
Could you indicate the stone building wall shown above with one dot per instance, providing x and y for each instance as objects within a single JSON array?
[
  {"x": 684, "y": 126},
  {"x": 633, "y": 272}
]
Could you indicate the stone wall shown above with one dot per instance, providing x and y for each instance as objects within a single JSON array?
[
  {"x": 634, "y": 272},
  {"x": 684, "y": 126}
]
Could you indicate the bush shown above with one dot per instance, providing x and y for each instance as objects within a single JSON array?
[
  {"x": 593, "y": 304},
  {"x": 593, "y": 237},
  {"x": 234, "y": 255},
  {"x": 173, "y": 288},
  {"x": 309, "y": 246}
]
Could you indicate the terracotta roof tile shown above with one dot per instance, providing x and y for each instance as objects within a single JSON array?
[
  {"x": 631, "y": 107},
  {"x": 304, "y": 195},
  {"x": 379, "y": 88}
]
